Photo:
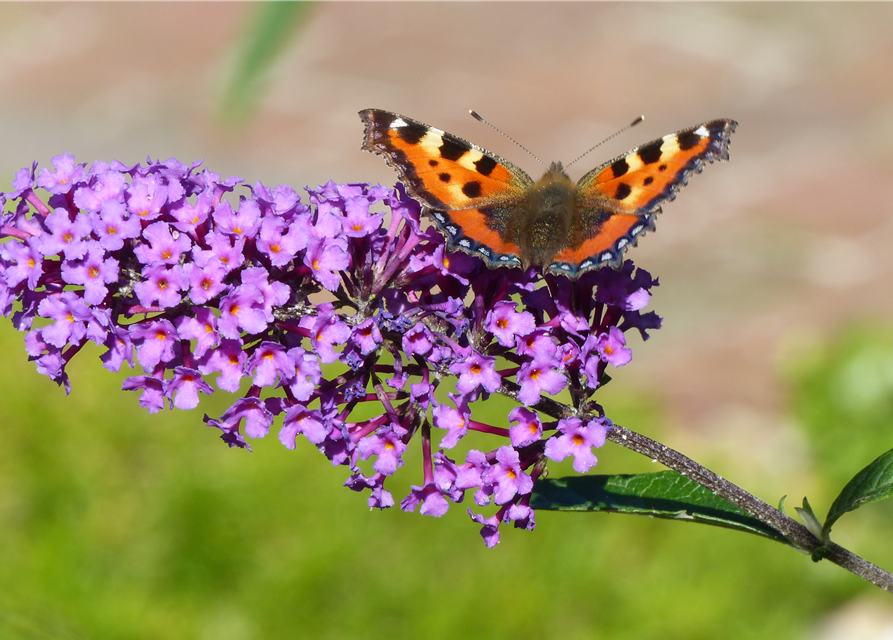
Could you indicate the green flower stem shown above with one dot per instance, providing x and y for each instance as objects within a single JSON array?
[{"x": 797, "y": 534}]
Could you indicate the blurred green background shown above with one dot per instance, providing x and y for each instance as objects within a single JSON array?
[
  {"x": 116, "y": 524},
  {"x": 774, "y": 366}
]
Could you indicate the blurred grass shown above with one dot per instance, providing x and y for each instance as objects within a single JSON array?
[{"x": 117, "y": 524}]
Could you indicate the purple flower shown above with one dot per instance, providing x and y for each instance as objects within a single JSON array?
[
  {"x": 66, "y": 236},
  {"x": 107, "y": 186},
  {"x": 229, "y": 360},
  {"x": 326, "y": 332},
  {"x": 222, "y": 251},
  {"x": 612, "y": 347},
  {"x": 299, "y": 419},
  {"x": 242, "y": 310},
  {"x": 162, "y": 285},
  {"x": 202, "y": 328},
  {"x": 66, "y": 174},
  {"x": 163, "y": 246},
  {"x": 455, "y": 421},
  {"x": 152, "y": 398},
  {"x": 269, "y": 362},
  {"x": 476, "y": 371},
  {"x": 540, "y": 374},
  {"x": 350, "y": 321},
  {"x": 183, "y": 388},
  {"x": 145, "y": 197},
  {"x": 280, "y": 246},
  {"x": 528, "y": 428},
  {"x": 418, "y": 340},
  {"x": 70, "y": 316},
  {"x": 367, "y": 336},
  {"x": 430, "y": 497},
  {"x": 25, "y": 262},
  {"x": 506, "y": 476},
  {"x": 358, "y": 222},
  {"x": 506, "y": 324},
  {"x": 93, "y": 272},
  {"x": 389, "y": 448},
  {"x": 205, "y": 283},
  {"x": 306, "y": 373},
  {"x": 326, "y": 256},
  {"x": 188, "y": 217},
  {"x": 244, "y": 222},
  {"x": 577, "y": 440},
  {"x": 154, "y": 342},
  {"x": 112, "y": 226}
]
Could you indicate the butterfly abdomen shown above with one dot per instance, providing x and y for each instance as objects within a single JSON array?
[{"x": 546, "y": 223}]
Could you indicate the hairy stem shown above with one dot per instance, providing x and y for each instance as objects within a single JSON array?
[{"x": 797, "y": 534}]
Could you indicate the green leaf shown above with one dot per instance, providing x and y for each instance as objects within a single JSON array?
[
  {"x": 273, "y": 25},
  {"x": 665, "y": 494},
  {"x": 873, "y": 483}
]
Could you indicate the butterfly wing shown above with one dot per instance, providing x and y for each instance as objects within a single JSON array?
[
  {"x": 471, "y": 194},
  {"x": 618, "y": 201}
]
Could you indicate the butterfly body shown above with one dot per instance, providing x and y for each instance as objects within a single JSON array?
[{"x": 488, "y": 208}]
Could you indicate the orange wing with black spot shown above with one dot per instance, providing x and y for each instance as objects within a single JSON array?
[
  {"x": 471, "y": 194},
  {"x": 617, "y": 202}
]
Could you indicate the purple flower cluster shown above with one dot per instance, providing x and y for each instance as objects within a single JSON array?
[{"x": 328, "y": 311}]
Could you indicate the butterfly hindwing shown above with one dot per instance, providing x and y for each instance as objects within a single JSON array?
[
  {"x": 480, "y": 233},
  {"x": 617, "y": 202}
]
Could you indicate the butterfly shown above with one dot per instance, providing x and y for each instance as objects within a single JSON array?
[{"x": 488, "y": 208}]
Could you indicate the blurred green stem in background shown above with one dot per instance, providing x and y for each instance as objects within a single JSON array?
[{"x": 271, "y": 27}]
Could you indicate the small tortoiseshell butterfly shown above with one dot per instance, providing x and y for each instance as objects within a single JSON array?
[{"x": 488, "y": 208}]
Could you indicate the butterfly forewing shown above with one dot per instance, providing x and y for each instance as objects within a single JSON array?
[
  {"x": 442, "y": 170},
  {"x": 640, "y": 180},
  {"x": 616, "y": 202}
]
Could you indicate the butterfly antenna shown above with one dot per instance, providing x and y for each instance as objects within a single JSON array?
[
  {"x": 613, "y": 135},
  {"x": 476, "y": 116}
]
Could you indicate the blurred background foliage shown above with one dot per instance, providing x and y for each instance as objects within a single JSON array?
[{"x": 118, "y": 524}]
